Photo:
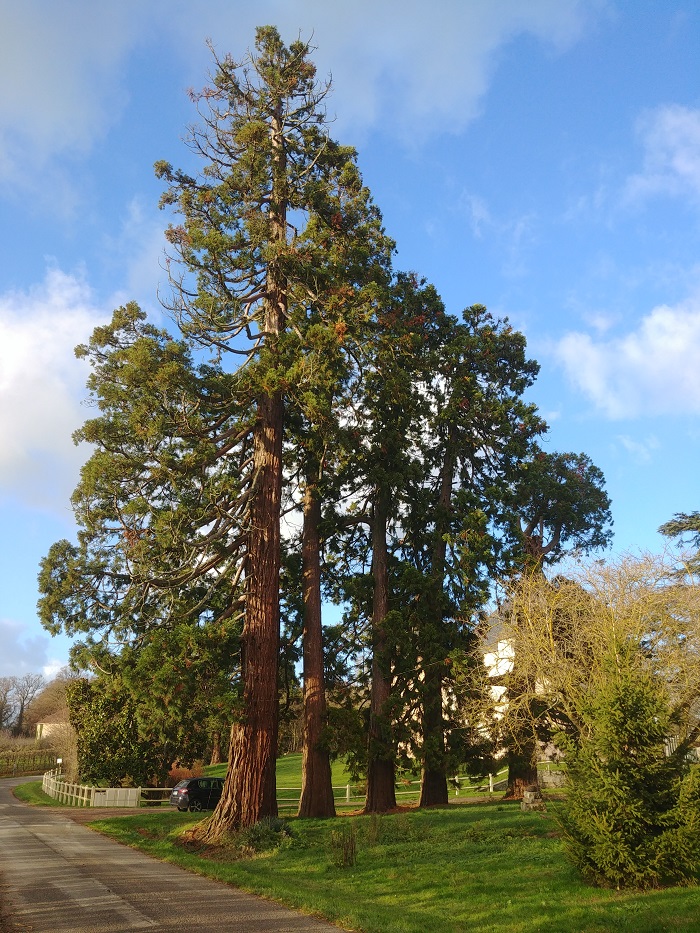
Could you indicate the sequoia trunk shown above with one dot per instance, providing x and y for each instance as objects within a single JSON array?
[
  {"x": 433, "y": 788},
  {"x": 316, "y": 784},
  {"x": 215, "y": 758},
  {"x": 381, "y": 770},
  {"x": 433, "y": 777},
  {"x": 250, "y": 788}
]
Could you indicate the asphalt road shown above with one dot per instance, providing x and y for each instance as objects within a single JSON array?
[{"x": 59, "y": 877}]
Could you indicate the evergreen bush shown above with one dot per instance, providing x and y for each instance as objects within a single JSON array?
[{"x": 632, "y": 817}]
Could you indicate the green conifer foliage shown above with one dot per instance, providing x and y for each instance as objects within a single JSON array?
[
  {"x": 279, "y": 250},
  {"x": 632, "y": 812},
  {"x": 607, "y": 661}
]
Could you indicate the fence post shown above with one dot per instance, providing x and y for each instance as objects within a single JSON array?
[
  {"x": 347, "y": 793},
  {"x": 490, "y": 783}
]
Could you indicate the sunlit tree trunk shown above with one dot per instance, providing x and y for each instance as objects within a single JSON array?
[
  {"x": 215, "y": 758},
  {"x": 250, "y": 787}
]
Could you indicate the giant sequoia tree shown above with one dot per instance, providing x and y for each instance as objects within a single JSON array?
[
  {"x": 481, "y": 431},
  {"x": 305, "y": 378},
  {"x": 278, "y": 250},
  {"x": 277, "y": 229},
  {"x": 440, "y": 433}
]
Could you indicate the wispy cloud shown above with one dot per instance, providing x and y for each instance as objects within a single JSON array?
[
  {"x": 403, "y": 65},
  {"x": 640, "y": 451},
  {"x": 670, "y": 136},
  {"x": 511, "y": 236},
  {"x": 652, "y": 370},
  {"x": 41, "y": 384}
]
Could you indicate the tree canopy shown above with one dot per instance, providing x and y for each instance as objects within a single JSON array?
[
  {"x": 610, "y": 656},
  {"x": 309, "y": 384}
]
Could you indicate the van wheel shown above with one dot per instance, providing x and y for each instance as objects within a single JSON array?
[{"x": 196, "y": 806}]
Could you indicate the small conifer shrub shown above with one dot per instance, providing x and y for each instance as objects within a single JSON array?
[{"x": 632, "y": 817}]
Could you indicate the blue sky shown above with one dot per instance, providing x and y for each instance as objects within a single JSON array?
[{"x": 541, "y": 157}]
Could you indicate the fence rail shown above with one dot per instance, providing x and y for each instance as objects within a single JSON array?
[
  {"x": 288, "y": 797},
  {"x": 80, "y": 795}
]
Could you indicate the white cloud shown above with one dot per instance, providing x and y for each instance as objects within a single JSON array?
[
  {"x": 41, "y": 384},
  {"x": 60, "y": 81},
  {"x": 641, "y": 451},
  {"x": 652, "y": 370},
  {"x": 671, "y": 140},
  {"x": 25, "y": 653},
  {"x": 404, "y": 65}
]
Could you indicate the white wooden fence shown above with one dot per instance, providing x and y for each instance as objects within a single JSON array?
[
  {"x": 80, "y": 795},
  {"x": 288, "y": 797}
]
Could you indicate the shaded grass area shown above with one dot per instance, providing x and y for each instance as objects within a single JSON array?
[{"x": 482, "y": 868}]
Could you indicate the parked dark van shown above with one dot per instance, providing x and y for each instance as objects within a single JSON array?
[{"x": 197, "y": 793}]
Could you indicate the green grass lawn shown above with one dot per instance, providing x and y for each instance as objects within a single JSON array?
[
  {"x": 289, "y": 771},
  {"x": 289, "y": 783},
  {"x": 32, "y": 793},
  {"x": 480, "y": 867},
  {"x": 407, "y": 792}
]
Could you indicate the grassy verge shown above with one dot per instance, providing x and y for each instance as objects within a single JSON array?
[
  {"x": 485, "y": 868},
  {"x": 32, "y": 793}
]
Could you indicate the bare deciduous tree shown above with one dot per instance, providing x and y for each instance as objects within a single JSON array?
[
  {"x": 25, "y": 689},
  {"x": 563, "y": 631}
]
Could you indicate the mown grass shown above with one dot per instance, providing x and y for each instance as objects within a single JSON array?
[
  {"x": 482, "y": 868},
  {"x": 32, "y": 793},
  {"x": 407, "y": 791}
]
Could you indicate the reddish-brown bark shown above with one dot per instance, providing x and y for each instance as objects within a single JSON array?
[
  {"x": 250, "y": 787},
  {"x": 215, "y": 758},
  {"x": 317, "y": 791}
]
